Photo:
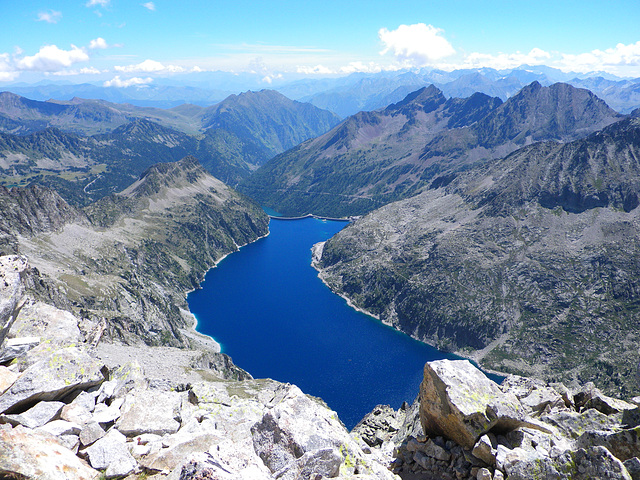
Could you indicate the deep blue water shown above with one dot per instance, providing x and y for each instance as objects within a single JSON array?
[{"x": 271, "y": 313}]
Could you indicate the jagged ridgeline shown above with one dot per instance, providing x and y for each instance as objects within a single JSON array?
[
  {"x": 373, "y": 158},
  {"x": 530, "y": 263},
  {"x": 131, "y": 257},
  {"x": 86, "y": 149}
]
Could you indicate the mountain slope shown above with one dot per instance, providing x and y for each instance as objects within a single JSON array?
[
  {"x": 128, "y": 260},
  {"x": 269, "y": 117},
  {"x": 529, "y": 263},
  {"x": 373, "y": 158}
]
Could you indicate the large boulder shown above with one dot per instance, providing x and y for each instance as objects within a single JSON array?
[
  {"x": 459, "y": 402},
  {"x": 27, "y": 454},
  {"x": 56, "y": 375},
  {"x": 158, "y": 412}
]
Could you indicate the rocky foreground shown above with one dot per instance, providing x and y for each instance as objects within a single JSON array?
[{"x": 74, "y": 408}]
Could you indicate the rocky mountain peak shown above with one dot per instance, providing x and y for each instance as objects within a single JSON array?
[{"x": 426, "y": 98}]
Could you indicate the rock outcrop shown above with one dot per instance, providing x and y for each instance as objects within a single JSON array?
[{"x": 65, "y": 414}]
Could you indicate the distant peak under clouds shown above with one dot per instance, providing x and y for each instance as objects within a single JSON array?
[{"x": 50, "y": 16}]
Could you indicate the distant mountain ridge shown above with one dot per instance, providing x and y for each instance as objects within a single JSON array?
[
  {"x": 373, "y": 158},
  {"x": 239, "y": 134}
]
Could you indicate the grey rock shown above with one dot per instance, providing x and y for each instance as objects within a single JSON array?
[
  {"x": 60, "y": 427},
  {"x": 173, "y": 455},
  {"x": 105, "y": 414},
  {"x": 573, "y": 424},
  {"x": 17, "y": 347},
  {"x": 12, "y": 268},
  {"x": 143, "y": 413},
  {"x": 485, "y": 449},
  {"x": 323, "y": 463},
  {"x": 90, "y": 433},
  {"x": 111, "y": 453},
  {"x": 62, "y": 372},
  {"x": 623, "y": 444},
  {"x": 28, "y": 454},
  {"x": 76, "y": 413},
  {"x": 633, "y": 467},
  {"x": 457, "y": 400},
  {"x": 379, "y": 425},
  {"x": 36, "y": 416},
  {"x": 583, "y": 464}
]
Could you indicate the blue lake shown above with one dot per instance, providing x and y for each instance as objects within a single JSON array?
[{"x": 271, "y": 313}]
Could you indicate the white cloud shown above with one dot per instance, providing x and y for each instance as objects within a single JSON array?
[
  {"x": 118, "y": 82},
  {"x": 81, "y": 71},
  {"x": 51, "y": 16},
  {"x": 150, "y": 6},
  {"x": 317, "y": 70},
  {"x": 610, "y": 59},
  {"x": 149, "y": 66},
  {"x": 98, "y": 43},
  {"x": 416, "y": 45},
  {"x": 96, "y": 3},
  {"x": 501, "y": 61},
  {"x": 50, "y": 58},
  {"x": 7, "y": 71}
]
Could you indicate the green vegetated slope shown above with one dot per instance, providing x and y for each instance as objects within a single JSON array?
[
  {"x": 233, "y": 139},
  {"x": 129, "y": 259},
  {"x": 530, "y": 263},
  {"x": 373, "y": 158}
]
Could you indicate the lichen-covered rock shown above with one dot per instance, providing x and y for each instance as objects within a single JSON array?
[
  {"x": 55, "y": 376},
  {"x": 584, "y": 464},
  {"x": 624, "y": 444},
  {"x": 458, "y": 401},
  {"x": 31, "y": 455}
]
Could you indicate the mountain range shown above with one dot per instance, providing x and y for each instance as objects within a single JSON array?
[
  {"x": 59, "y": 145},
  {"x": 373, "y": 158},
  {"x": 346, "y": 95}
]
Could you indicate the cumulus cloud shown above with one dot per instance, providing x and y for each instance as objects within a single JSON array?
[
  {"x": 610, "y": 59},
  {"x": 50, "y": 58},
  {"x": 98, "y": 43},
  {"x": 51, "y": 16},
  {"x": 501, "y": 61},
  {"x": 416, "y": 45},
  {"x": 149, "y": 66},
  {"x": 98, "y": 3},
  {"x": 150, "y": 6},
  {"x": 120, "y": 83}
]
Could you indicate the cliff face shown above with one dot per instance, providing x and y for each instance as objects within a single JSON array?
[
  {"x": 530, "y": 264},
  {"x": 130, "y": 258}
]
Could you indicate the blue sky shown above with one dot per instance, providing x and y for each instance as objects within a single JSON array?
[{"x": 120, "y": 42}]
